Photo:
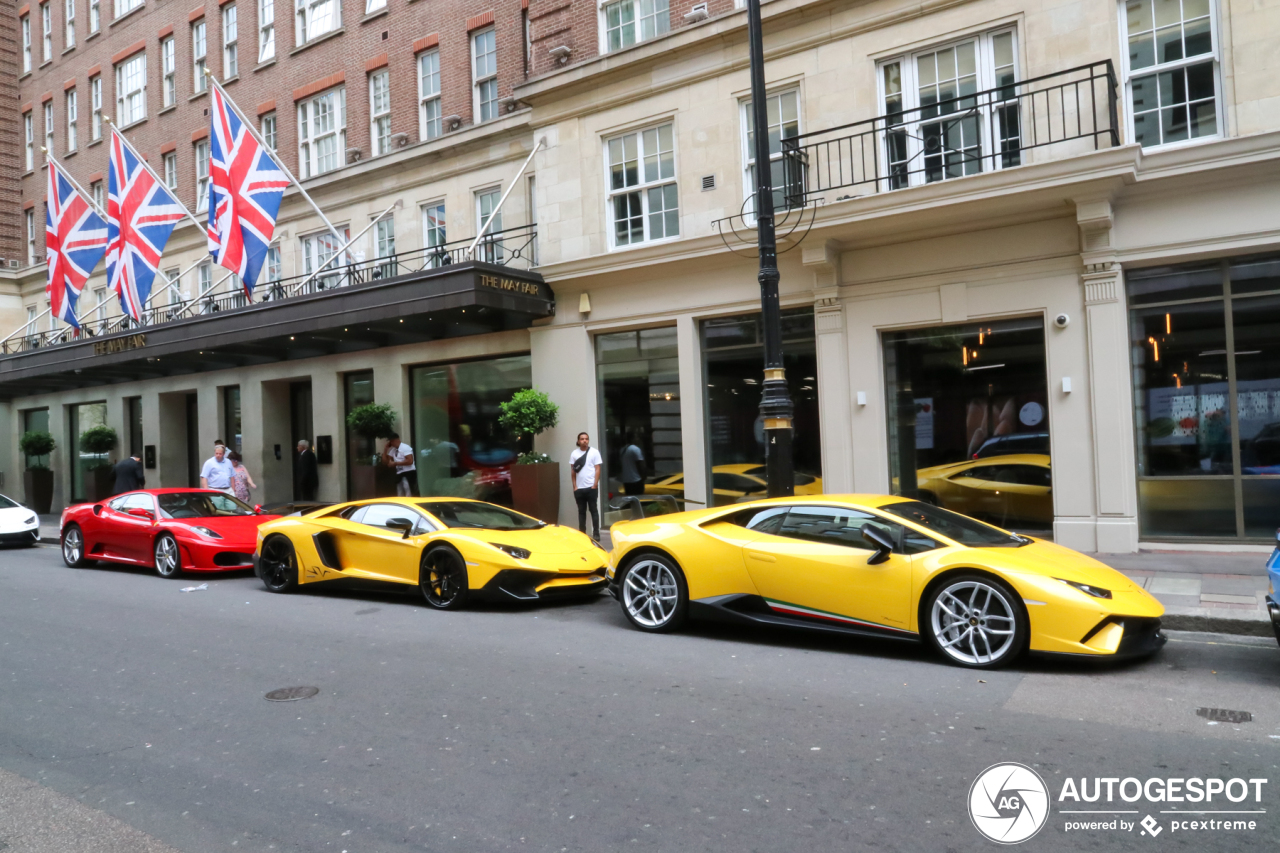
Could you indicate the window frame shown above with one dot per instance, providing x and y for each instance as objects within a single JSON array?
[
  {"x": 31, "y": 237},
  {"x": 429, "y": 100},
  {"x": 201, "y": 154},
  {"x": 603, "y": 28},
  {"x": 481, "y": 83},
  {"x": 124, "y": 7},
  {"x": 434, "y": 235},
  {"x": 95, "y": 106},
  {"x": 268, "y": 135},
  {"x": 29, "y": 134},
  {"x": 266, "y": 30},
  {"x": 169, "y": 166},
  {"x": 1127, "y": 75},
  {"x": 748, "y": 146},
  {"x": 72, "y": 109},
  {"x": 46, "y": 32},
  {"x": 95, "y": 16},
  {"x": 491, "y": 250},
  {"x": 199, "y": 56},
  {"x": 308, "y": 146},
  {"x": 169, "y": 71},
  {"x": 123, "y": 94},
  {"x": 27, "y": 59},
  {"x": 642, "y": 187},
  {"x": 48, "y": 129},
  {"x": 230, "y": 42},
  {"x": 380, "y": 120},
  {"x": 97, "y": 191},
  {"x": 304, "y": 20},
  {"x": 69, "y": 24}
]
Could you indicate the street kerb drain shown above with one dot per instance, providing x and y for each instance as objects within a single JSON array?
[
  {"x": 1222, "y": 715},
  {"x": 292, "y": 694}
]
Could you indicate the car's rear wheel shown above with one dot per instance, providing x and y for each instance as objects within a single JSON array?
[
  {"x": 976, "y": 621},
  {"x": 278, "y": 565},
  {"x": 168, "y": 559},
  {"x": 73, "y": 547},
  {"x": 443, "y": 578},
  {"x": 655, "y": 597}
]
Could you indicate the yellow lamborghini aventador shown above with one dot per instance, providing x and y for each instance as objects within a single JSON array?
[
  {"x": 453, "y": 549},
  {"x": 883, "y": 566}
]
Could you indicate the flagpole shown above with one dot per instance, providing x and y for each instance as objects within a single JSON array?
[
  {"x": 342, "y": 249},
  {"x": 87, "y": 196},
  {"x": 153, "y": 174},
  {"x": 272, "y": 154}
]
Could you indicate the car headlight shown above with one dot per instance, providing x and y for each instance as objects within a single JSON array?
[
  {"x": 1095, "y": 591},
  {"x": 31, "y": 520},
  {"x": 204, "y": 531},
  {"x": 518, "y": 553}
]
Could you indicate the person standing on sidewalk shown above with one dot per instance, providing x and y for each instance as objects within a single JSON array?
[
  {"x": 584, "y": 475},
  {"x": 632, "y": 459},
  {"x": 399, "y": 456}
]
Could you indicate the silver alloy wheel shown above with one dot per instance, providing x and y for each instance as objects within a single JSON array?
[
  {"x": 650, "y": 593},
  {"x": 72, "y": 545},
  {"x": 974, "y": 622},
  {"x": 166, "y": 556}
]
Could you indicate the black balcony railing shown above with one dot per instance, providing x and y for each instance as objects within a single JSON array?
[
  {"x": 1073, "y": 111},
  {"x": 514, "y": 247}
]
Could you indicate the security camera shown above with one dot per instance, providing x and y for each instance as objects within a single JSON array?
[{"x": 1062, "y": 321}]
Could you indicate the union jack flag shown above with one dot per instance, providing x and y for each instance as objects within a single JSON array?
[
  {"x": 75, "y": 240},
  {"x": 141, "y": 215},
  {"x": 245, "y": 188}
]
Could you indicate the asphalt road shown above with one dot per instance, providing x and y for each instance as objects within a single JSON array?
[{"x": 139, "y": 711}]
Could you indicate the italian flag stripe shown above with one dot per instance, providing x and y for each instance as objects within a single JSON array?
[{"x": 796, "y": 610}]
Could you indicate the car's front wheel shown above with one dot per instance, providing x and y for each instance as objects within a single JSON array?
[
  {"x": 73, "y": 547},
  {"x": 278, "y": 565},
  {"x": 443, "y": 578},
  {"x": 654, "y": 597},
  {"x": 167, "y": 556},
  {"x": 976, "y": 621}
]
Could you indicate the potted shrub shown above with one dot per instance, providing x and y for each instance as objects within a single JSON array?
[
  {"x": 369, "y": 479},
  {"x": 535, "y": 479},
  {"x": 98, "y": 481},
  {"x": 37, "y": 480}
]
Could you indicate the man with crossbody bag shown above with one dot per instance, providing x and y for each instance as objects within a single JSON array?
[{"x": 584, "y": 477}]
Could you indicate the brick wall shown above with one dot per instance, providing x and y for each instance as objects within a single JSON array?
[{"x": 12, "y": 239}]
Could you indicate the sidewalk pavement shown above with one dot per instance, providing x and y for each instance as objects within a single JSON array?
[{"x": 1220, "y": 592}]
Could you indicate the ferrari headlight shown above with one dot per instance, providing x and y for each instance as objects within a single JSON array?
[
  {"x": 1095, "y": 591},
  {"x": 518, "y": 553},
  {"x": 204, "y": 531}
]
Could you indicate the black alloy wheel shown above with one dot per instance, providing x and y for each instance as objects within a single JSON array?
[
  {"x": 443, "y": 578},
  {"x": 278, "y": 565}
]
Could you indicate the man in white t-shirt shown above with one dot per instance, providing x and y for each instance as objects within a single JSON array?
[
  {"x": 399, "y": 455},
  {"x": 584, "y": 474}
]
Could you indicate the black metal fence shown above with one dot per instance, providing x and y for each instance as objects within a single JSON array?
[
  {"x": 1073, "y": 110},
  {"x": 513, "y": 247}
]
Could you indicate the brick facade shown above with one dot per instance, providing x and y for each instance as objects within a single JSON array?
[{"x": 12, "y": 239}]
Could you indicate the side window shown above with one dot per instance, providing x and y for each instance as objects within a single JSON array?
[
  {"x": 139, "y": 502},
  {"x": 118, "y": 504},
  {"x": 833, "y": 525},
  {"x": 1030, "y": 475},
  {"x": 354, "y": 513},
  {"x": 990, "y": 473},
  {"x": 767, "y": 520},
  {"x": 377, "y": 515}
]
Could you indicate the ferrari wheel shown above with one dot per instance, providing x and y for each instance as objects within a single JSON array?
[
  {"x": 976, "y": 621},
  {"x": 73, "y": 548},
  {"x": 443, "y": 578},
  {"x": 168, "y": 557},
  {"x": 278, "y": 565},
  {"x": 654, "y": 595}
]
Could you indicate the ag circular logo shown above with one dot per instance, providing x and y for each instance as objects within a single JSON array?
[{"x": 1008, "y": 803}]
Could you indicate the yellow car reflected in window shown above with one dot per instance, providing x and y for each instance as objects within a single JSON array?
[
  {"x": 732, "y": 483},
  {"x": 1013, "y": 489}
]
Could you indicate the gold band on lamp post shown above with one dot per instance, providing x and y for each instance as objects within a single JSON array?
[
  {"x": 777, "y": 423},
  {"x": 775, "y": 373}
]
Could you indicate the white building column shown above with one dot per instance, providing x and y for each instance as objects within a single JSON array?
[
  {"x": 563, "y": 367},
  {"x": 326, "y": 419},
  {"x": 693, "y": 431},
  {"x": 834, "y": 412}
]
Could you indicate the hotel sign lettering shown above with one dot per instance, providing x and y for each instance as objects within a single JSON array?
[
  {"x": 119, "y": 344},
  {"x": 510, "y": 285}
]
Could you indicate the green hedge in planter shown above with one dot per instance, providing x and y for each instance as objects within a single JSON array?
[
  {"x": 98, "y": 440},
  {"x": 529, "y": 412},
  {"x": 37, "y": 443}
]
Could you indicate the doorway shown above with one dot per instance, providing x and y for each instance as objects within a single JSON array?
[
  {"x": 193, "y": 439},
  {"x": 300, "y": 425},
  {"x": 969, "y": 420}
]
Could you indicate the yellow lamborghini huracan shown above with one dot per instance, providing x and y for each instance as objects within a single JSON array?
[
  {"x": 453, "y": 549},
  {"x": 882, "y": 566}
]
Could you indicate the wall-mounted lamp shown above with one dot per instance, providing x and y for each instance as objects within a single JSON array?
[{"x": 584, "y": 303}]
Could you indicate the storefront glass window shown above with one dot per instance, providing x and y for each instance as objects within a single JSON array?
[
  {"x": 733, "y": 366},
  {"x": 84, "y": 417},
  {"x": 362, "y": 452},
  {"x": 36, "y": 420},
  {"x": 969, "y": 420},
  {"x": 639, "y": 377},
  {"x": 1205, "y": 344},
  {"x": 462, "y": 450},
  {"x": 231, "y": 417},
  {"x": 133, "y": 417}
]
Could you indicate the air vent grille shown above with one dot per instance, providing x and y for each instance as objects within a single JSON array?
[{"x": 708, "y": 182}]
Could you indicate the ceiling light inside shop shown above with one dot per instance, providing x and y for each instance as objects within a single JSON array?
[{"x": 985, "y": 367}]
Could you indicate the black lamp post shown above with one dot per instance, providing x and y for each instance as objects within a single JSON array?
[{"x": 775, "y": 404}]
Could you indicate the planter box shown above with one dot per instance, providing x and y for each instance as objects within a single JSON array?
[
  {"x": 384, "y": 481},
  {"x": 535, "y": 490},
  {"x": 99, "y": 484},
  {"x": 363, "y": 483},
  {"x": 37, "y": 486}
]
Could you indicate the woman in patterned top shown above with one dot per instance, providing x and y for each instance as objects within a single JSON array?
[{"x": 241, "y": 482}]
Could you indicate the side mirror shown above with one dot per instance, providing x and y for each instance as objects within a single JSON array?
[
  {"x": 139, "y": 512},
  {"x": 257, "y": 509},
  {"x": 401, "y": 524},
  {"x": 879, "y": 539}
]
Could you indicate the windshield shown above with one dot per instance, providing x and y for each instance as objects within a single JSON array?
[
  {"x": 5, "y": 503},
  {"x": 201, "y": 505},
  {"x": 954, "y": 526},
  {"x": 479, "y": 514}
]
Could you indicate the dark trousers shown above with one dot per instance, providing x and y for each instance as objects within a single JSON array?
[
  {"x": 410, "y": 477},
  {"x": 636, "y": 488},
  {"x": 306, "y": 493},
  {"x": 588, "y": 499}
]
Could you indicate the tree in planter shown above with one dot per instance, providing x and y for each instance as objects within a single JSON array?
[
  {"x": 99, "y": 441},
  {"x": 371, "y": 422},
  {"x": 535, "y": 479},
  {"x": 37, "y": 481},
  {"x": 36, "y": 443}
]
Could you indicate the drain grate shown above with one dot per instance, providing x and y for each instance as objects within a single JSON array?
[
  {"x": 290, "y": 694},
  {"x": 1223, "y": 715}
]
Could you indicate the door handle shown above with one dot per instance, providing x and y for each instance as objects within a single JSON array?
[{"x": 764, "y": 558}]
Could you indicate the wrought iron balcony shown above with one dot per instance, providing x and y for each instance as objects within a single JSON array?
[
  {"x": 513, "y": 247},
  {"x": 1044, "y": 118}
]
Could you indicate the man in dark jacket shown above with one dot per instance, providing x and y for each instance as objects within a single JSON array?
[
  {"x": 129, "y": 475},
  {"x": 306, "y": 475}
]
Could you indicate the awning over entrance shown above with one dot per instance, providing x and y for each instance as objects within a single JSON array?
[{"x": 451, "y": 301}]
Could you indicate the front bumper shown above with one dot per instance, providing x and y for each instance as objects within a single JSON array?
[
  {"x": 533, "y": 585},
  {"x": 21, "y": 537},
  {"x": 216, "y": 556}
]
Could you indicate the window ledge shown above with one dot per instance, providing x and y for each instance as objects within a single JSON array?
[
  {"x": 317, "y": 40},
  {"x": 230, "y": 80},
  {"x": 67, "y": 50},
  {"x": 46, "y": 62},
  {"x": 123, "y": 127},
  {"x": 198, "y": 95},
  {"x": 70, "y": 153},
  {"x": 24, "y": 75},
  {"x": 93, "y": 35},
  {"x": 93, "y": 143},
  {"x": 374, "y": 15},
  {"x": 167, "y": 109},
  {"x": 28, "y": 173},
  {"x": 262, "y": 66},
  {"x": 132, "y": 11}
]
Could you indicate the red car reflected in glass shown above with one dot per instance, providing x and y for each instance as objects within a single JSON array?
[{"x": 170, "y": 530}]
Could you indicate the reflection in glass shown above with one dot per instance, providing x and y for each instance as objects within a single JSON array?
[
  {"x": 462, "y": 450},
  {"x": 85, "y": 417},
  {"x": 733, "y": 353},
  {"x": 36, "y": 420},
  {"x": 968, "y": 420},
  {"x": 1257, "y": 349},
  {"x": 362, "y": 452},
  {"x": 1261, "y": 497},
  {"x": 1178, "y": 507}
]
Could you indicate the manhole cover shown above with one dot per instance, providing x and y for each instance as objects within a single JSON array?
[
  {"x": 1222, "y": 715},
  {"x": 289, "y": 694}
]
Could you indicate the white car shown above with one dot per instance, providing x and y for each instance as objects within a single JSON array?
[{"x": 18, "y": 525}]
